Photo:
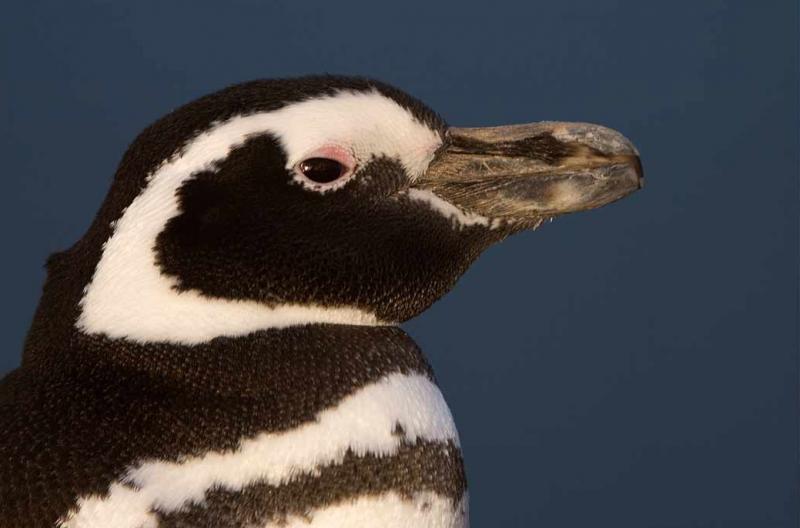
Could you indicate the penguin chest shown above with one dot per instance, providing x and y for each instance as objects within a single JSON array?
[{"x": 385, "y": 455}]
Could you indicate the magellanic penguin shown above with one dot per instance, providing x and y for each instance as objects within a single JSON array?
[{"x": 221, "y": 348}]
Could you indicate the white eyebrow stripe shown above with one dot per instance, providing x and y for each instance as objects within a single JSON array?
[{"x": 369, "y": 123}]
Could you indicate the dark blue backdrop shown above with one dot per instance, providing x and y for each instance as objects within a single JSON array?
[{"x": 634, "y": 366}]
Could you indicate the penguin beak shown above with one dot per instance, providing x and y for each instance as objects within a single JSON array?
[{"x": 524, "y": 173}]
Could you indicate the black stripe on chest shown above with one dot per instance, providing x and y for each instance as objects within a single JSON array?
[{"x": 416, "y": 467}]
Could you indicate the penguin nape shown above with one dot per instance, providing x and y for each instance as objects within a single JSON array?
[{"x": 221, "y": 348}]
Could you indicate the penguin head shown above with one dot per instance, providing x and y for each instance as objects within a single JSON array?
[{"x": 321, "y": 200}]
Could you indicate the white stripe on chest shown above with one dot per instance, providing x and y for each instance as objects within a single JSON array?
[{"x": 363, "y": 422}]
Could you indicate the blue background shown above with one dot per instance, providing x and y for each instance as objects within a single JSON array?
[{"x": 634, "y": 366}]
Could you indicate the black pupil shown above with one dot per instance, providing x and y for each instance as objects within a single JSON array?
[{"x": 321, "y": 170}]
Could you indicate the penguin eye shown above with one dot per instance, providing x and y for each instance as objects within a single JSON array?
[{"x": 322, "y": 170}]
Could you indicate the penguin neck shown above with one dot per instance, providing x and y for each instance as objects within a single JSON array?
[
  {"x": 267, "y": 361},
  {"x": 235, "y": 364}
]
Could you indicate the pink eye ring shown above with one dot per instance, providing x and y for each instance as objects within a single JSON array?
[{"x": 325, "y": 168}]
